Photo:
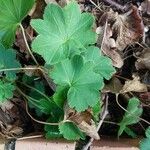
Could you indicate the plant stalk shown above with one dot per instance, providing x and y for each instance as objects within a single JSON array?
[{"x": 29, "y": 50}]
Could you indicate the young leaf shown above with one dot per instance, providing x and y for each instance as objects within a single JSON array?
[
  {"x": 70, "y": 131},
  {"x": 7, "y": 61},
  {"x": 133, "y": 116},
  {"x": 83, "y": 83},
  {"x": 102, "y": 64},
  {"x": 12, "y": 12},
  {"x": 6, "y": 91},
  {"x": 62, "y": 32}
]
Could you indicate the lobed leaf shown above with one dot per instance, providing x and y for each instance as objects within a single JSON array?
[
  {"x": 70, "y": 131},
  {"x": 12, "y": 12},
  {"x": 133, "y": 116},
  {"x": 102, "y": 64},
  {"x": 82, "y": 82},
  {"x": 63, "y": 32}
]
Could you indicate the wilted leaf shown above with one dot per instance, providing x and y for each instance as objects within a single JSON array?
[
  {"x": 83, "y": 120},
  {"x": 89, "y": 129},
  {"x": 134, "y": 85}
]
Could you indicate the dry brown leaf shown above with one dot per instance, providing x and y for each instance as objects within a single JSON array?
[
  {"x": 134, "y": 86},
  {"x": 119, "y": 31},
  {"x": 128, "y": 27},
  {"x": 90, "y": 130},
  {"x": 107, "y": 45},
  {"x": 83, "y": 120},
  {"x": 143, "y": 61},
  {"x": 38, "y": 9}
]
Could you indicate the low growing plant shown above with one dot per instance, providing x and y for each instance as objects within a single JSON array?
[{"x": 74, "y": 68}]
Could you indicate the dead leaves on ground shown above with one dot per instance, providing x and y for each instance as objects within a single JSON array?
[
  {"x": 134, "y": 86},
  {"x": 118, "y": 32}
]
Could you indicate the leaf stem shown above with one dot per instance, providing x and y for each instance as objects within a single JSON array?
[
  {"x": 38, "y": 91},
  {"x": 25, "y": 40},
  {"x": 48, "y": 80},
  {"x": 27, "y": 110},
  {"x": 17, "y": 69}
]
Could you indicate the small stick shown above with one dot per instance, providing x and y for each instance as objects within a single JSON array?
[
  {"x": 29, "y": 137},
  {"x": 104, "y": 114}
]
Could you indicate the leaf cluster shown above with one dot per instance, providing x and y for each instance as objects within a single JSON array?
[{"x": 65, "y": 39}]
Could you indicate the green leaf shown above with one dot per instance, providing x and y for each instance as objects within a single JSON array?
[
  {"x": 60, "y": 96},
  {"x": 135, "y": 111},
  {"x": 44, "y": 105},
  {"x": 102, "y": 64},
  {"x": 12, "y": 12},
  {"x": 6, "y": 91},
  {"x": 38, "y": 86},
  {"x": 83, "y": 83},
  {"x": 96, "y": 110},
  {"x": 52, "y": 131},
  {"x": 62, "y": 32},
  {"x": 145, "y": 144},
  {"x": 8, "y": 61},
  {"x": 70, "y": 131},
  {"x": 147, "y": 133}
]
